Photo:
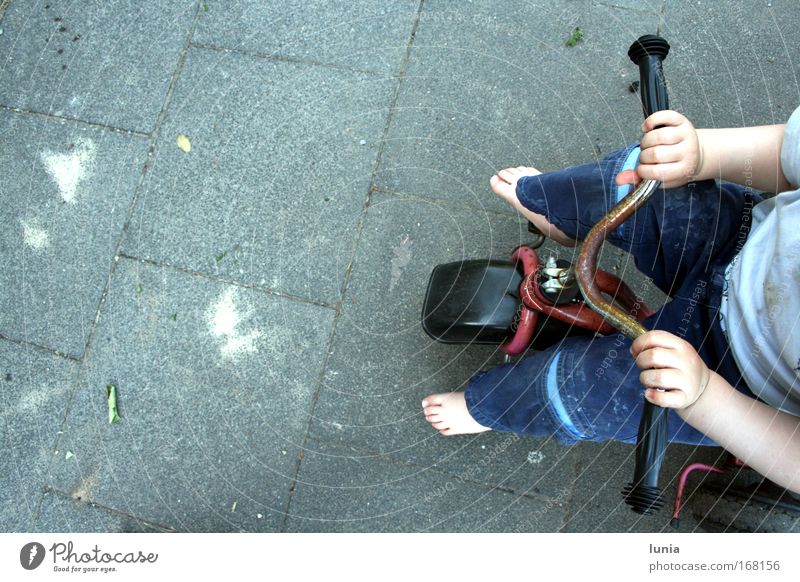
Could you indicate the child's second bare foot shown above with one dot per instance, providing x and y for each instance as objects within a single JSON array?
[
  {"x": 504, "y": 184},
  {"x": 448, "y": 414}
]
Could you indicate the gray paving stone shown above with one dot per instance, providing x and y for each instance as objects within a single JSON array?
[
  {"x": 605, "y": 469},
  {"x": 273, "y": 189},
  {"x": 214, "y": 386},
  {"x": 106, "y": 62},
  {"x": 622, "y": 6},
  {"x": 66, "y": 194},
  {"x": 336, "y": 492},
  {"x": 366, "y": 35},
  {"x": 33, "y": 400},
  {"x": 733, "y": 64},
  {"x": 486, "y": 89},
  {"x": 59, "y": 513}
]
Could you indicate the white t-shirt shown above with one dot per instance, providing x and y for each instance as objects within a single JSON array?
[{"x": 762, "y": 310}]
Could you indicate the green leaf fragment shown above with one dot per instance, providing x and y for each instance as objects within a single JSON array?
[
  {"x": 221, "y": 256},
  {"x": 577, "y": 35},
  {"x": 174, "y": 317},
  {"x": 113, "y": 415},
  {"x": 205, "y": 6},
  {"x": 138, "y": 289},
  {"x": 68, "y": 456}
]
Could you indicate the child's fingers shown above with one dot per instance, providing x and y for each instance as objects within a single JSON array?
[
  {"x": 627, "y": 177},
  {"x": 662, "y": 378},
  {"x": 660, "y": 118},
  {"x": 661, "y": 154},
  {"x": 667, "y": 172},
  {"x": 659, "y": 358},
  {"x": 654, "y": 339},
  {"x": 666, "y": 399},
  {"x": 662, "y": 136}
]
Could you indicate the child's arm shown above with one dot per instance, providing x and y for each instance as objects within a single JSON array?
[
  {"x": 750, "y": 156},
  {"x": 674, "y": 152},
  {"x": 768, "y": 440}
]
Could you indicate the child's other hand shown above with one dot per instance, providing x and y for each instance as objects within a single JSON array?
[
  {"x": 670, "y": 364},
  {"x": 671, "y": 151}
]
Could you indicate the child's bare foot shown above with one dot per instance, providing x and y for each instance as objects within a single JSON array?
[
  {"x": 448, "y": 414},
  {"x": 504, "y": 184}
]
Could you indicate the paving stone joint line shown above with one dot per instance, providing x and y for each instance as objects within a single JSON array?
[{"x": 348, "y": 269}]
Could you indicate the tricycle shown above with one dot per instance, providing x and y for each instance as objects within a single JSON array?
[{"x": 531, "y": 303}]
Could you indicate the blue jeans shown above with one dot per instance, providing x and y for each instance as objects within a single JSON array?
[{"x": 587, "y": 388}]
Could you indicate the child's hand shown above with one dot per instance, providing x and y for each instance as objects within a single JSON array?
[
  {"x": 670, "y": 364},
  {"x": 671, "y": 154}
]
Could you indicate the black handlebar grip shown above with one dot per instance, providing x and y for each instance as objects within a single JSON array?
[
  {"x": 648, "y": 53},
  {"x": 643, "y": 494}
]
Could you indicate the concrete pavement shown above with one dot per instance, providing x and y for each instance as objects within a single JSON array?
[{"x": 256, "y": 300}]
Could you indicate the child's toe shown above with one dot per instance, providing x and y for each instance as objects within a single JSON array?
[
  {"x": 433, "y": 400},
  {"x": 507, "y": 175},
  {"x": 528, "y": 171}
]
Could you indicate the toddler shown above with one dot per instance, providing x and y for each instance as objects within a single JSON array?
[{"x": 724, "y": 353}]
